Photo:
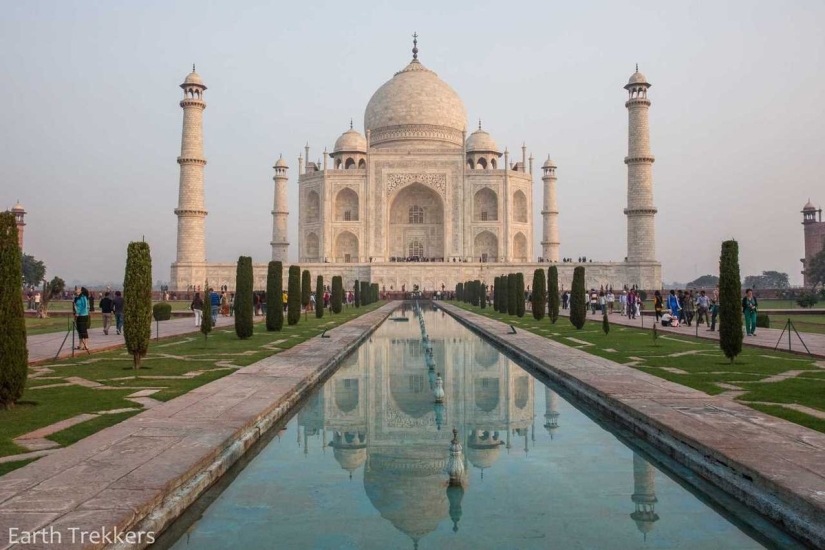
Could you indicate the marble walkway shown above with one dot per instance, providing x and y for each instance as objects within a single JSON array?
[
  {"x": 775, "y": 466},
  {"x": 141, "y": 474}
]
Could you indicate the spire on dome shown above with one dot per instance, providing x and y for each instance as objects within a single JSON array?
[
  {"x": 193, "y": 67},
  {"x": 350, "y": 123},
  {"x": 415, "y": 45},
  {"x": 637, "y": 67},
  {"x": 479, "y": 124}
]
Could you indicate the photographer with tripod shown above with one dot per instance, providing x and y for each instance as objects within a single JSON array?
[{"x": 81, "y": 316}]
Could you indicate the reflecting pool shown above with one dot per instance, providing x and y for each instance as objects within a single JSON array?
[{"x": 362, "y": 464}]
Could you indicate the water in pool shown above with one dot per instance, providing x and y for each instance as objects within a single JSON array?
[{"x": 362, "y": 464}]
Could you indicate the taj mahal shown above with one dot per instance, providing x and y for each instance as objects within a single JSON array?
[{"x": 415, "y": 200}]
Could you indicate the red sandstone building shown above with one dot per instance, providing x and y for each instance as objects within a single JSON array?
[{"x": 814, "y": 235}]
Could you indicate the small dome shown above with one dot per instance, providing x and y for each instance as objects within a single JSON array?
[
  {"x": 637, "y": 78},
  {"x": 548, "y": 163},
  {"x": 18, "y": 208},
  {"x": 281, "y": 163},
  {"x": 350, "y": 459},
  {"x": 483, "y": 456},
  {"x": 193, "y": 78},
  {"x": 481, "y": 142},
  {"x": 350, "y": 141},
  {"x": 808, "y": 206}
]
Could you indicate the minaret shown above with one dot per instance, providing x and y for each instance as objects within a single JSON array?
[
  {"x": 190, "y": 210},
  {"x": 550, "y": 214},
  {"x": 280, "y": 213},
  {"x": 814, "y": 236},
  {"x": 641, "y": 230},
  {"x": 551, "y": 414},
  {"x": 644, "y": 495},
  {"x": 19, "y": 218}
]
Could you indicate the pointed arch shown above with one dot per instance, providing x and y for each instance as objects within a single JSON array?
[
  {"x": 313, "y": 207},
  {"x": 313, "y": 247},
  {"x": 520, "y": 247},
  {"x": 346, "y": 205},
  {"x": 485, "y": 247},
  {"x": 485, "y": 205},
  {"x": 520, "y": 207},
  {"x": 346, "y": 247}
]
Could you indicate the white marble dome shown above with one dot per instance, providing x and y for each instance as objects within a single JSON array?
[
  {"x": 193, "y": 78},
  {"x": 415, "y": 108},
  {"x": 481, "y": 142},
  {"x": 637, "y": 78},
  {"x": 350, "y": 141}
]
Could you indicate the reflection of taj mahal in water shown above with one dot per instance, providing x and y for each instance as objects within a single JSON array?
[
  {"x": 418, "y": 198},
  {"x": 378, "y": 413}
]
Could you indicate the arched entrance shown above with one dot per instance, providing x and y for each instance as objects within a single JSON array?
[
  {"x": 485, "y": 247},
  {"x": 346, "y": 247},
  {"x": 416, "y": 223},
  {"x": 520, "y": 247}
]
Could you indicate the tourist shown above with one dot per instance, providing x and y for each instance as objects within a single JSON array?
[
  {"x": 702, "y": 308},
  {"x": 117, "y": 309},
  {"x": 594, "y": 301},
  {"x": 689, "y": 307},
  {"x": 37, "y": 301},
  {"x": 602, "y": 302},
  {"x": 215, "y": 302},
  {"x": 673, "y": 304},
  {"x": 610, "y": 298},
  {"x": 326, "y": 300},
  {"x": 197, "y": 308},
  {"x": 749, "y": 308},
  {"x": 312, "y": 302},
  {"x": 91, "y": 296},
  {"x": 106, "y": 307},
  {"x": 658, "y": 304},
  {"x": 30, "y": 296},
  {"x": 224, "y": 301},
  {"x": 565, "y": 299},
  {"x": 714, "y": 312},
  {"x": 257, "y": 303},
  {"x": 284, "y": 299},
  {"x": 81, "y": 316}
]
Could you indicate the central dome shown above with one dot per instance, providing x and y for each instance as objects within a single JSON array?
[{"x": 415, "y": 108}]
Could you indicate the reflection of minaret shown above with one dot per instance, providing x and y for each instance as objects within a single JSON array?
[
  {"x": 455, "y": 494},
  {"x": 551, "y": 415},
  {"x": 644, "y": 495}
]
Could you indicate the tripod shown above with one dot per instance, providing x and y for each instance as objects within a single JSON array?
[
  {"x": 789, "y": 327},
  {"x": 70, "y": 329}
]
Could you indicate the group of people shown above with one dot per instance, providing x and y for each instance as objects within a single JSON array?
[{"x": 683, "y": 306}]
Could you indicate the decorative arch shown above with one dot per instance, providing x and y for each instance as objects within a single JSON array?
[
  {"x": 346, "y": 205},
  {"x": 482, "y": 163},
  {"x": 470, "y": 164},
  {"x": 346, "y": 247},
  {"x": 346, "y": 394},
  {"x": 416, "y": 213},
  {"x": 362, "y": 164},
  {"x": 493, "y": 163},
  {"x": 485, "y": 354},
  {"x": 522, "y": 393},
  {"x": 313, "y": 207},
  {"x": 485, "y": 247},
  {"x": 520, "y": 207},
  {"x": 486, "y": 393},
  {"x": 313, "y": 246},
  {"x": 485, "y": 205},
  {"x": 415, "y": 249},
  {"x": 349, "y": 164},
  {"x": 520, "y": 247}
]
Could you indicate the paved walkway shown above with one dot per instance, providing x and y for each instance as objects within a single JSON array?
[
  {"x": 139, "y": 475},
  {"x": 771, "y": 464},
  {"x": 44, "y": 347},
  {"x": 765, "y": 337}
]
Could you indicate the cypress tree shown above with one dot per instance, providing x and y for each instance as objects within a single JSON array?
[
  {"x": 539, "y": 302},
  {"x": 206, "y": 321},
  {"x": 357, "y": 296},
  {"x": 459, "y": 292},
  {"x": 511, "y": 294},
  {"x": 365, "y": 294},
  {"x": 293, "y": 303},
  {"x": 274, "y": 293},
  {"x": 319, "y": 297},
  {"x": 578, "y": 299},
  {"x": 474, "y": 292},
  {"x": 337, "y": 293},
  {"x": 504, "y": 298},
  {"x": 730, "y": 301},
  {"x": 494, "y": 300},
  {"x": 483, "y": 296},
  {"x": 553, "y": 293},
  {"x": 14, "y": 356},
  {"x": 374, "y": 292},
  {"x": 520, "y": 294},
  {"x": 137, "y": 300},
  {"x": 306, "y": 288},
  {"x": 244, "y": 308}
]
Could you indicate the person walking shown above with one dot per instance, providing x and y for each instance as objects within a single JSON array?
[
  {"x": 81, "y": 316},
  {"x": 623, "y": 303},
  {"x": 749, "y": 307},
  {"x": 658, "y": 305},
  {"x": 602, "y": 302},
  {"x": 284, "y": 299},
  {"x": 37, "y": 301},
  {"x": 565, "y": 299},
  {"x": 197, "y": 308},
  {"x": 610, "y": 298},
  {"x": 117, "y": 309},
  {"x": 688, "y": 307},
  {"x": 106, "y": 310},
  {"x": 702, "y": 308},
  {"x": 673, "y": 304},
  {"x": 714, "y": 312},
  {"x": 215, "y": 302}
]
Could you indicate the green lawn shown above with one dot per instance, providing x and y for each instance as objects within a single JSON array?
[
  {"x": 59, "y": 323},
  {"x": 703, "y": 364},
  {"x": 200, "y": 360},
  {"x": 802, "y": 323}
]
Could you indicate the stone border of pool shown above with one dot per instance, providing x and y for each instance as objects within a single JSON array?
[
  {"x": 141, "y": 474},
  {"x": 774, "y": 466}
]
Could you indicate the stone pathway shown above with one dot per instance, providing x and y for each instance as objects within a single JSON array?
[
  {"x": 140, "y": 474},
  {"x": 765, "y": 337},
  {"x": 768, "y": 462}
]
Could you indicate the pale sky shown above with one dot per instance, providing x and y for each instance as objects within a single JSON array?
[{"x": 91, "y": 123}]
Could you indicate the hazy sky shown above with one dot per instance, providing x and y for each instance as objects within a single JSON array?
[{"x": 91, "y": 123}]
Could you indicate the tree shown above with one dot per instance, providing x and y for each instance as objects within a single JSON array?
[
  {"x": 815, "y": 271},
  {"x": 306, "y": 288},
  {"x": 768, "y": 279},
  {"x": 244, "y": 308},
  {"x": 374, "y": 287},
  {"x": 705, "y": 281},
  {"x": 137, "y": 300},
  {"x": 512, "y": 294},
  {"x": 357, "y": 294},
  {"x": 206, "y": 321},
  {"x": 459, "y": 292},
  {"x": 52, "y": 289},
  {"x": 14, "y": 357},
  {"x": 578, "y": 299},
  {"x": 482, "y": 299},
  {"x": 553, "y": 293},
  {"x": 474, "y": 287},
  {"x": 274, "y": 291},
  {"x": 293, "y": 307},
  {"x": 319, "y": 296},
  {"x": 337, "y": 294},
  {"x": 33, "y": 271},
  {"x": 730, "y": 301},
  {"x": 520, "y": 294},
  {"x": 504, "y": 299},
  {"x": 539, "y": 301}
]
